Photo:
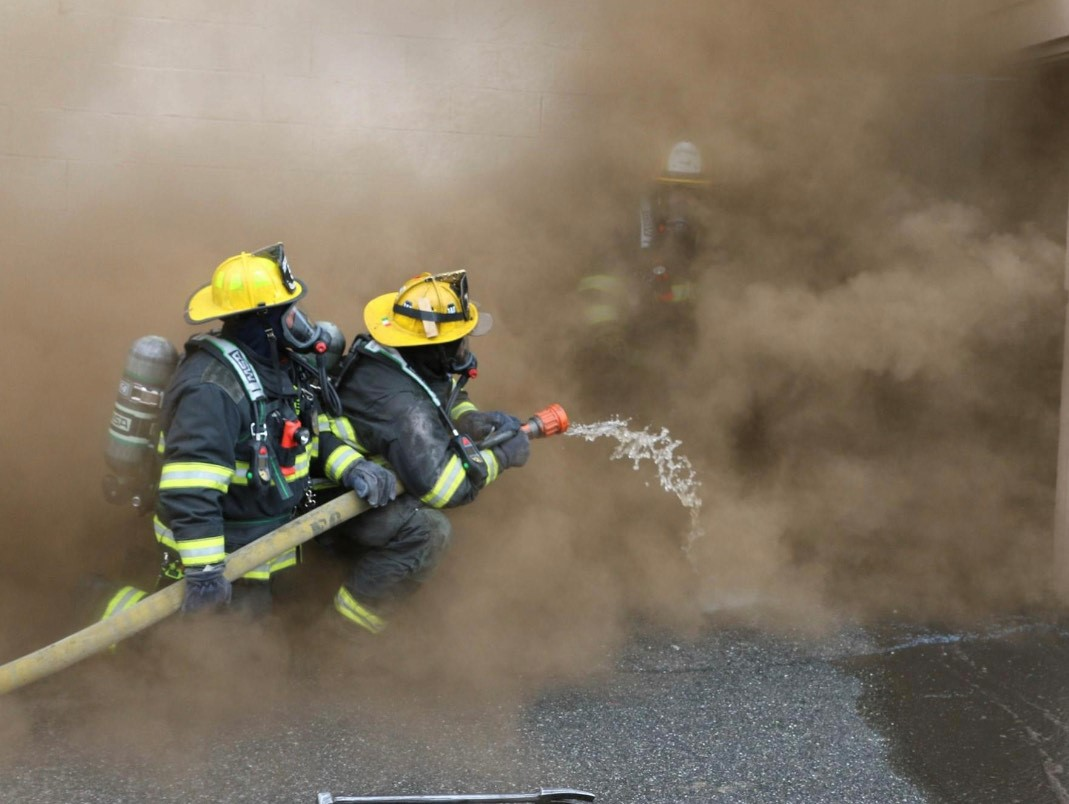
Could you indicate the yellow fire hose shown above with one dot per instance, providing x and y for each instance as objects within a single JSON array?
[{"x": 150, "y": 610}]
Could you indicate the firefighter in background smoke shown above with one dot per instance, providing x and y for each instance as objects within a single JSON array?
[
  {"x": 640, "y": 302},
  {"x": 243, "y": 429},
  {"x": 402, "y": 389}
]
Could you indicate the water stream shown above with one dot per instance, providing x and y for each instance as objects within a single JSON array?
[{"x": 674, "y": 470}]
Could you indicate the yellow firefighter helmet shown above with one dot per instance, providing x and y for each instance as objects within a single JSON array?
[
  {"x": 427, "y": 309},
  {"x": 243, "y": 283}
]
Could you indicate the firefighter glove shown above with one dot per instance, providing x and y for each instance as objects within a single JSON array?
[
  {"x": 513, "y": 452},
  {"x": 206, "y": 588},
  {"x": 371, "y": 482},
  {"x": 478, "y": 424}
]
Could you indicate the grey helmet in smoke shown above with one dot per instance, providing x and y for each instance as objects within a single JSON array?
[{"x": 684, "y": 165}]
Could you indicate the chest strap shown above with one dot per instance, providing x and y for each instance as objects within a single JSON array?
[{"x": 265, "y": 464}]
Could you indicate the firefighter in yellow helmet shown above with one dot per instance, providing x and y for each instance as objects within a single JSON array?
[
  {"x": 402, "y": 388},
  {"x": 243, "y": 428}
]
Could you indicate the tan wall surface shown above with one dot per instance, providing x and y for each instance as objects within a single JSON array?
[
  {"x": 91, "y": 88},
  {"x": 1013, "y": 26}
]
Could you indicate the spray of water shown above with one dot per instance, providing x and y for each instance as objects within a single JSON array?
[{"x": 674, "y": 470}]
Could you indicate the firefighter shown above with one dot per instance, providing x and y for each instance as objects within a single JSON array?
[
  {"x": 243, "y": 429},
  {"x": 640, "y": 298},
  {"x": 402, "y": 390}
]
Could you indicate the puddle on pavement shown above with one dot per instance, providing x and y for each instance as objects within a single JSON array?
[{"x": 973, "y": 716}]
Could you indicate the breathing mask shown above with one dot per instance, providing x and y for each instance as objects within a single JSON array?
[{"x": 304, "y": 335}]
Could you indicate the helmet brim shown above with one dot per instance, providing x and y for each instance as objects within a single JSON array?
[
  {"x": 379, "y": 320},
  {"x": 200, "y": 307}
]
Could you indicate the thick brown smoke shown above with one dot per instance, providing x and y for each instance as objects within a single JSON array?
[{"x": 870, "y": 403}]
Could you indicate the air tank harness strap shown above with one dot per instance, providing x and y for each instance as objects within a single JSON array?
[{"x": 265, "y": 467}]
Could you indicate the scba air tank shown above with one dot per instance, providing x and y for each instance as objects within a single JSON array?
[{"x": 134, "y": 428}]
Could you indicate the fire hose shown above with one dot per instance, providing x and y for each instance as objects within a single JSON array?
[{"x": 160, "y": 605}]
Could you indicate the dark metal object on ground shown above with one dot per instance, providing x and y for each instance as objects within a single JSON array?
[{"x": 543, "y": 796}]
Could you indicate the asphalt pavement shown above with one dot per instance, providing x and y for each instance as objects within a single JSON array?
[{"x": 899, "y": 713}]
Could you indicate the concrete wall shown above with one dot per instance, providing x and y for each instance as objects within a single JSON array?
[
  {"x": 1040, "y": 27},
  {"x": 97, "y": 94}
]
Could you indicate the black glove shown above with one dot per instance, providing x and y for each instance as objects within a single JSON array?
[
  {"x": 371, "y": 482},
  {"x": 206, "y": 588},
  {"x": 478, "y": 424},
  {"x": 513, "y": 452}
]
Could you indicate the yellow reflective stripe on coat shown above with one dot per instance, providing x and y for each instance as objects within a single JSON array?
[
  {"x": 199, "y": 552},
  {"x": 340, "y": 460},
  {"x": 448, "y": 482},
  {"x": 164, "y": 535},
  {"x": 343, "y": 429},
  {"x": 122, "y": 600},
  {"x": 350, "y": 609},
  {"x": 467, "y": 406},
  {"x": 340, "y": 426},
  {"x": 681, "y": 291},
  {"x": 493, "y": 468},
  {"x": 180, "y": 475},
  {"x": 599, "y": 283},
  {"x": 601, "y": 313},
  {"x": 276, "y": 564},
  {"x": 301, "y": 467}
]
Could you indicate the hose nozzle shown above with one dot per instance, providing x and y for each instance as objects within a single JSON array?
[{"x": 549, "y": 421}]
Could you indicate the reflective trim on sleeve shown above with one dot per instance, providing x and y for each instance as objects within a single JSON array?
[
  {"x": 350, "y": 609},
  {"x": 493, "y": 468},
  {"x": 599, "y": 283},
  {"x": 195, "y": 476},
  {"x": 276, "y": 564},
  {"x": 339, "y": 426},
  {"x": 467, "y": 406},
  {"x": 600, "y": 313},
  {"x": 122, "y": 600},
  {"x": 164, "y": 535},
  {"x": 200, "y": 552},
  {"x": 681, "y": 291},
  {"x": 448, "y": 482},
  {"x": 340, "y": 460}
]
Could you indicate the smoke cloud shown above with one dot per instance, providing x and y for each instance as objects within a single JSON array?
[{"x": 870, "y": 401}]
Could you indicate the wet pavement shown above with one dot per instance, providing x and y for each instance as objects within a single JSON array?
[
  {"x": 975, "y": 716},
  {"x": 731, "y": 714}
]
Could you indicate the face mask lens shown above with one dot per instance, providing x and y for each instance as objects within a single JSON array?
[
  {"x": 463, "y": 359},
  {"x": 298, "y": 329}
]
